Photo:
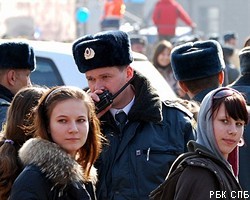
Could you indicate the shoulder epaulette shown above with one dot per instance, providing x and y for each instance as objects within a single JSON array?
[
  {"x": 3, "y": 102},
  {"x": 177, "y": 105}
]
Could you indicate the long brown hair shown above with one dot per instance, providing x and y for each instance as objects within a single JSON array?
[
  {"x": 14, "y": 135},
  {"x": 86, "y": 155},
  {"x": 160, "y": 47}
]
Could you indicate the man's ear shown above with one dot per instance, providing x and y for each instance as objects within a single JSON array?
[
  {"x": 11, "y": 77},
  {"x": 130, "y": 72},
  {"x": 221, "y": 77},
  {"x": 183, "y": 86}
]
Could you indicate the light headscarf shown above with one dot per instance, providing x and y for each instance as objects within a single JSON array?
[{"x": 205, "y": 132}]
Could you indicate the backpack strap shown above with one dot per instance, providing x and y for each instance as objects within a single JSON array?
[
  {"x": 182, "y": 158},
  {"x": 172, "y": 178}
]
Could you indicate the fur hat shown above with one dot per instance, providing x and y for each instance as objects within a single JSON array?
[
  {"x": 228, "y": 36},
  {"x": 16, "y": 55},
  {"x": 104, "y": 49},
  {"x": 195, "y": 60},
  {"x": 244, "y": 55},
  {"x": 138, "y": 39}
]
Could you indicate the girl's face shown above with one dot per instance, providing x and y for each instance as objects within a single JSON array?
[
  {"x": 164, "y": 57},
  {"x": 227, "y": 131},
  {"x": 69, "y": 125}
]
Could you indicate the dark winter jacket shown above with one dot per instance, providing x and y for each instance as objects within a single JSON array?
[
  {"x": 50, "y": 173},
  {"x": 5, "y": 98},
  {"x": 131, "y": 166},
  {"x": 243, "y": 85},
  {"x": 199, "y": 177},
  {"x": 200, "y": 96}
]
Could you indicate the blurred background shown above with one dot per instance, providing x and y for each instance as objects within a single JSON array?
[{"x": 65, "y": 20}]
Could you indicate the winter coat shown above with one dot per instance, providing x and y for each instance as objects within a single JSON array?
[
  {"x": 231, "y": 74},
  {"x": 243, "y": 85},
  {"x": 199, "y": 177},
  {"x": 200, "y": 96},
  {"x": 132, "y": 165},
  {"x": 166, "y": 14},
  {"x": 50, "y": 173},
  {"x": 5, "y": 98}
]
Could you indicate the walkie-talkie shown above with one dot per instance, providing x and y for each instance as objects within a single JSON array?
[{"x": 106, "y": 98}]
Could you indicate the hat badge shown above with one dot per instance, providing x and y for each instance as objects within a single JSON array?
[{"x": 89, "y": 53}]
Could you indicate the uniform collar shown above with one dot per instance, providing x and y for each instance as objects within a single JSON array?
[{"x": 126, "y": 109}]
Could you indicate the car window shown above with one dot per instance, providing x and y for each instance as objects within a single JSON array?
[{"x": 46, "y": 73}]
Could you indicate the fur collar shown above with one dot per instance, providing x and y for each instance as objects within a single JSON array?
[
  {"x": 58, "y": 166},
  {"x": 147, "y": 106}
]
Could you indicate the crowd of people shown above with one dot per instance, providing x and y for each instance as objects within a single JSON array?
[{"x": 66, "y": 142}]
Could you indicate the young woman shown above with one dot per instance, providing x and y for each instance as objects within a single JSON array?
[
  {"x": 161, "y": 61},
  {"x": 212, "y": 166},
  {"x": 14, "y": 135},
  {"x": 59, "y": 161}
]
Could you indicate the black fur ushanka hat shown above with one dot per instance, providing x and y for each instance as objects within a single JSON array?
[
  {"x": 104, "y": 49},
  {"x": 17, "y": 55},
  {"x": 195, "y": 60},
  {"x": 244, "y": 55}
]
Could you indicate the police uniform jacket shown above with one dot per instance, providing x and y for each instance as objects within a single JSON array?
[
  {"x": 137, "y": 160},
  {"x": 243, "y": 85},
  {"x": 5, "y": 98},
  {"x": 50, "y": 173}
]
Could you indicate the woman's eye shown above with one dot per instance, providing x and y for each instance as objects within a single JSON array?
[
  {"x": 81, "y": 120},
  {"x": 240, "y": 124},
  {"x": 62, "y": 121},
  {"x": 225, "y": 121}
]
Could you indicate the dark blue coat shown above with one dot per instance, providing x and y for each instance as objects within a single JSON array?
[
  {"x": 5, "y": 98},
  {"x": 243, "y": 85},
  {"x": 131, "y": 166}
]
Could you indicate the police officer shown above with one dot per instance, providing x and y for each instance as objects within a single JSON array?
[
  {"x": 16, "y": 63},
  {"x": 198, "y": 67},
  {"x": 243, "y": 85},
  {"x": 152, "y": 134}
]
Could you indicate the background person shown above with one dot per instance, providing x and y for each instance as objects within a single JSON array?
[
  {"x": 243, "y": 85},
  {"x": 221, "y": 120},
  {"x": 13, "y": 135},
  {"x": 112, "y": 14},
  {"x": 165, "y": 16},
  {"x": 231, "y": 39},
  {"x": 17, "y": 61},
  {"x": 231, "y": 71},
  {"x": 161, "y": 61},
  {"x": 59, "y": 162},
  {"x": 247, "y": 42},
  {"x": 151, "y": 134},
  {"x": 139, "y": 44}
]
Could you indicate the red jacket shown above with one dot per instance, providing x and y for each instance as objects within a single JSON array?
[
  {"x": 113, "y": 9},
  {"x": 165, "y": 15}
]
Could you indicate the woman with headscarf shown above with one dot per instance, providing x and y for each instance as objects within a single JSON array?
[{"x": 209, "y": 170}]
